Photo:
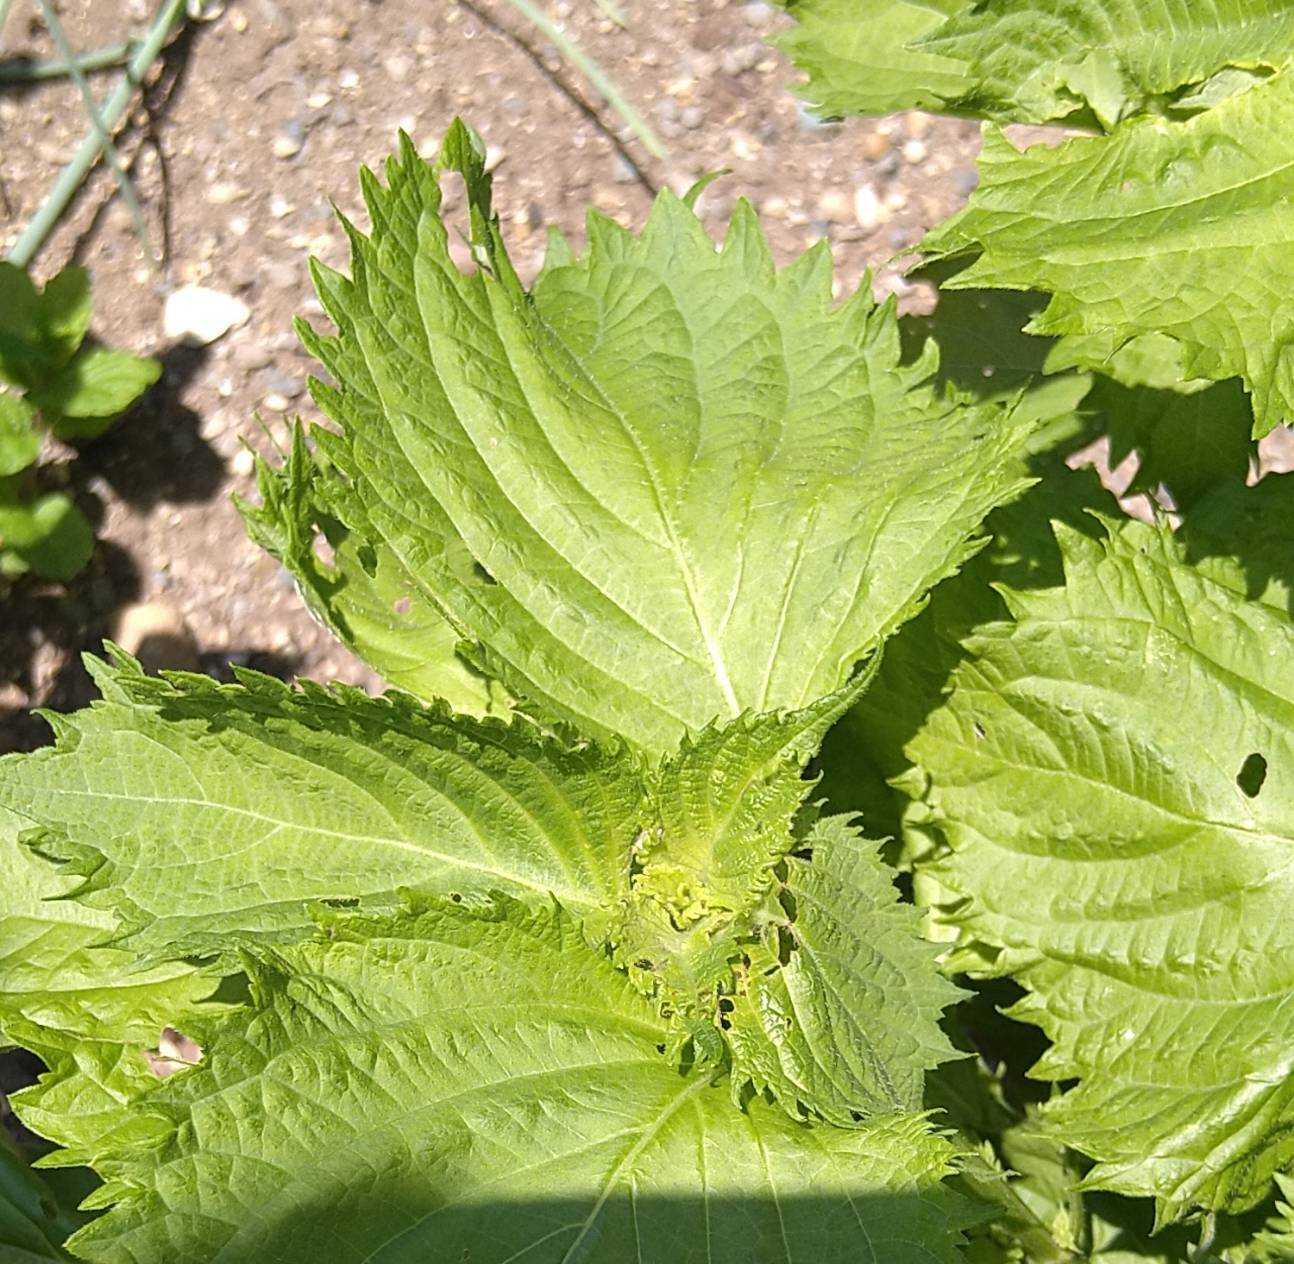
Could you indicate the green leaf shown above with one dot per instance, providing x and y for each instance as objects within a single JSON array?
[
  {"x": 1188, "y": 443},
  {"x": 501, "y": 1089},
  {"x": 95, "y": 386},
  {"x": 48, "y": 536},
  {"x": 725, "y": 807},
  {"x": 1170, "y": 229},
  {"x": 64, "y": 311},
  {"x": 1047, "y": 59},
  {"x": 1034, "y": 61},
  {"x": 1129, "y": 871},
  {"x": 34, "y": 1221},
  {"x": 40, "y": 330},
  {"x": 841, "y": 1010},
  {"x": 669, "y": 484},
  {"x": 1276, "y": 1242},
  {"x": 865, "y": 752},
  {"x": 1240, "y": 536},
  {"x": 865, "y": 56},
  {"x": 82, "y": 1006},
  {"x": 197, "y": 810},
  {"x": 19, "y": 441},
  {"x": 364, "y": 596}
]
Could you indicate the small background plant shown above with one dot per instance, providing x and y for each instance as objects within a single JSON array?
[{"x": 57, "y": 383}]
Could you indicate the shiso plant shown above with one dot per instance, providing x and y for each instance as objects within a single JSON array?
[
  {"x": 52, "y": 381},
  {"x": 812, "y": 823}
]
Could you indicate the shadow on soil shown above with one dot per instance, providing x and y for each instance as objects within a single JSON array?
[{"x": 154, "y": 455}]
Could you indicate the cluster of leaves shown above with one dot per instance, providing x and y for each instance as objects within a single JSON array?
[
  {"x": 55, "y": 382},
  {"x": 1081, "y": 744},
  {"x": 762, "y": 669}
]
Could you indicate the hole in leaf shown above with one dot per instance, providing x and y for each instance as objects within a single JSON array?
[
  {"x": 175, "y": 1051},
  {"x": 1252, "y": 774}
]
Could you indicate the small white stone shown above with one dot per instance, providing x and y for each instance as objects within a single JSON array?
[
  {"x": 223, "y": 193},
  {"x": 199, "y": 315},
  {"x": 494, "y": 154},
  {"x": 243, "y": 463},
  {"x": 833, "y": 205},
  {"x": 317, "y": 100},
  {"x": 280, "y": 206},
  {"x": 868, "y": 210},
  {"x": 915, "y": 151},
  {"x": 348, "y": 80},
  {"x": 286, "y": 146},
  {"x": 276, "y": 403}
]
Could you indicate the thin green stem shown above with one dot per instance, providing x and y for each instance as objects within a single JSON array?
[
  {"x": 594, "y": 74},
  {"x": 72, "y": 176},
  {"x": 87, "y": 63},
  {"x": 613, "y": 12},
  {"x": 106, "y": 147}
]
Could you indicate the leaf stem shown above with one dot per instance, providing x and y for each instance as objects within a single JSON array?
[
  {"x": 106, "y": 147},
  {"x": 98, "y": 59},
  {"x": 73, "y": 175},
  {"x": 594, "y": 73}
]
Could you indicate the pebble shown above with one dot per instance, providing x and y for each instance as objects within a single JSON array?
[
  {"x": 875, "y": 146},
  {"x": 868, "y": 210},
  {"x": 243, "y": 463},
  {"x": 915, "y": 151},
  {"x": 834, "y": 206},
  {"x": 279, "y": 383},
  {"x": 348, "y": 80},
  {"x": 250, "y": 356},
  {"x": 286, "y": 146},
  {"x": 223, "y": 193},
  {"x": 692, "y": 117},
  {"x": 277, "y": 403},
  {"x": 397, "y": 68},
  {"x": 281, "y": 276},
  {"x": 280, "y": 206},
  {"x": 156, "y": 633},
  {"x": 199, "y": 315},
  {"x": 736, "y": 61},
  {"x": 494, "y": 154},
  {"x": 319, "y": 100}
]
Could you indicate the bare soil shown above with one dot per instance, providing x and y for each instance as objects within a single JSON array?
[{"x": 256, "y": 121}]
